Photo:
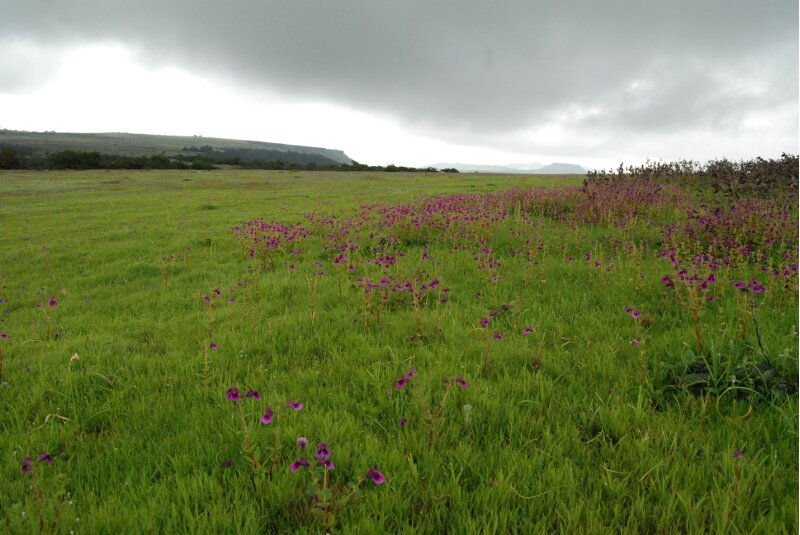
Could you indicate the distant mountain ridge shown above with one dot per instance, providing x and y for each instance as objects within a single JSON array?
[
  {"x": 555, "y": 168},
  {"x": 43, "y": 143}
]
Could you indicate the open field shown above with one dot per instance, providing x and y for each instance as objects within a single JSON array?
[{"x": 511, "y": 355}]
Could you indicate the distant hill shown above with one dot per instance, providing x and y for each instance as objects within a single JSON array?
[
  {"x": 557, "y": 168},
  {"x": 517, "y": 169},
  {"x": 41, "y": 144}
]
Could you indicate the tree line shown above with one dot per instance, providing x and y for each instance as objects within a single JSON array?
[{"x": 14, "y": 158}]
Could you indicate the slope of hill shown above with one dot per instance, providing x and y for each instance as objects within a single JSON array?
[
  {"x": 558, "y": 168},
  {"x": 44, "y": 143}
]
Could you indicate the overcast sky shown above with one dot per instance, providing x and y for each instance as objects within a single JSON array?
[{"x": 415, "y": 82}]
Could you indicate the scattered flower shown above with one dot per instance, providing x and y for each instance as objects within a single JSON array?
[
  {"x": 26, "y": 465},
  {"x": 45, "y": 457},
  {"x": 527, "y": 330},
  {"x": 213, "y": 346},
  {"x": 267, "y": 418},
  {"x": 227, "y": 463},
  {"x": 302, "y": 442},
  {"x": 322, "y": 453},
  {"x": 295, "y": 406},
  {"x": 300, "y": 463},
  {"x": 461, "y": 381},
  {"x": 253, "y": 394},
  {"x": 233, "y": 394},
  {"x": 52, "y": 303},
  {"x": 375, "y": 476}
]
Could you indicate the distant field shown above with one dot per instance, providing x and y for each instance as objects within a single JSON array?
[{"x": 478, "y": 353}]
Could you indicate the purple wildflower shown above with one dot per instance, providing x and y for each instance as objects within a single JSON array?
[
  {"x": 527, "y": 330},
  {"x": 267, "y": 418},
  {"x": 295, "y": 406},
  {"x": 498, "y": 336},
  {"x": 45, "y": 457},
  {"x": 52, "y": 303},
  {"x": 213, "y": 346},
  {"x": 26, "y": 465},
  {"x": 227, "y": 463},
  {"x": 327, "y": 463},
  {"x": 757, "y": 287},
  {"x": 740, "y": 285},
  {"x": 460, "y": 380},
  {"x": 299, "y": 463},
  {"x": 233, "y": 394},
  {"x": 322, "y": 453},
  {"x": 484, "y": 322},
  {"x": 4, "y": 336},
  {"x": 635, "y": 342},
  {"x": 737, "y": 454},
  {"x": 375, "y": 476},
  {"x": 302, "y": 442},
  {"x": 402, "y": 382},
  {"x": 253, "y": 394},
  {"x": 403, "y": 421}
]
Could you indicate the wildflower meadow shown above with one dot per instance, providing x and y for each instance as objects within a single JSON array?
[{"x": 308, "y": 352}]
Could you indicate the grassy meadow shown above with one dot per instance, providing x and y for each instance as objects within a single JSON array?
[{"x": 462, "y": 354}]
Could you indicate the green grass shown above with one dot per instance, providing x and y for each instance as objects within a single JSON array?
[{"x": 563, "y": 435}]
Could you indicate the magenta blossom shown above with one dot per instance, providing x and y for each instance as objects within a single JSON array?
[
  {"x": 375, "y": 476},
  {"x": 322, "y": 453},
  {"x": 52, "y": 303},
  {"x": 213, "y": 346},
  {"x": 45, "y": 457},
  {"x": 267, "y": 418},
  {"x": 253, "y": 394},
  {"x": 299, "y": 463},
  {"x": 295, "y": 406},
  {"x": 233, "y": 394},
  {"x": 527, "y": 330},
  {"x": 26, "y": 465},
  {"x": 460, "y": 380},
  {"x": 327, "y": 463},
  {"x": 405, "y": 379},
  {"x": 302, "y": 442}
]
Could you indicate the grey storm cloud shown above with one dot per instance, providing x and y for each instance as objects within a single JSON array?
[{"x": 462, "y": 68}]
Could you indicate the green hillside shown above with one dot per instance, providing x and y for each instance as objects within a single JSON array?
[{"x": 38, "y": 145}]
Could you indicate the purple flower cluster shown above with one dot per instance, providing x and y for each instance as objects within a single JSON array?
[
  {"x": 753, "y": 286},
  {"x": 405, "y": 379},
  {"x": 43, "y": 457}
]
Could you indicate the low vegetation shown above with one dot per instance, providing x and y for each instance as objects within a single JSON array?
[{"x": 290, "y": 352}]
